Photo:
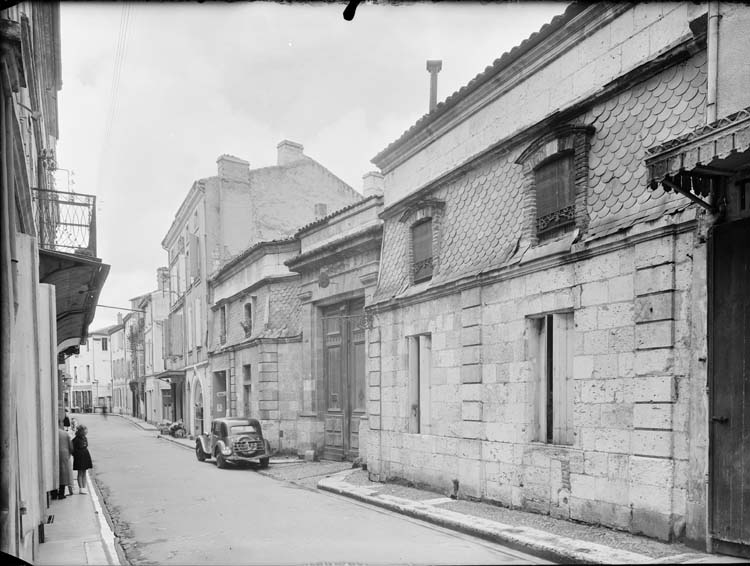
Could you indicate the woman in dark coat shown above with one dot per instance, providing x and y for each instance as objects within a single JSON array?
[{"x": 81, "y": 457}]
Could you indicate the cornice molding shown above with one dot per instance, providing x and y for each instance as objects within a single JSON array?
[{"x": 519, "y": 269}]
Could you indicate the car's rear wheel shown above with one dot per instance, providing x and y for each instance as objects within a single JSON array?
[
  {"x": 263, "y": 463},
  {"x": 199, "y": 453},
  {"x": 221, "y": 462}
]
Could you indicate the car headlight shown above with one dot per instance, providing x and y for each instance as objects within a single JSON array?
[{"x": 227, "y": 451}]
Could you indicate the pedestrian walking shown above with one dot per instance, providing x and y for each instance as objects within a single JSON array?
[
  {"x": 66, "y": 422},
  {"x": 65, "y": 474},
  {"x": 81, "y": 457}
]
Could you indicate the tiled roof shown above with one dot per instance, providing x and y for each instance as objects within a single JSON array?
[
  {"x": 246, "y": 252},
  {"x": 505, "y": 60},
  {"x": 333, "y": 214},
  {"x": 483, "y": 207}
]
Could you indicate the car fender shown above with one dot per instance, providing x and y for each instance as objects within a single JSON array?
[
  {"x": 205, "y": 444},
  {"x": 220, "y": 445}
]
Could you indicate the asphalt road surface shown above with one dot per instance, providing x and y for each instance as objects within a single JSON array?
[{"x": 168, "y": 508}]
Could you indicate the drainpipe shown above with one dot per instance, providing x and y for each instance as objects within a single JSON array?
[
  {"x": 713, "y": 61},
  {"x": 7, "y": 542},
  {"x": 711, "y": 113}
]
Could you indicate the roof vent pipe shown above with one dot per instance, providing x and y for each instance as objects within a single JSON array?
[{"x": 433, "y": 66}]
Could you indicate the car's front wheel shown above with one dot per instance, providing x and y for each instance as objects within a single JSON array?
[
  {"x": 221, "y": 462},
  {"x": 199, "y": 453},
  {"x": 263, "y": 463}
]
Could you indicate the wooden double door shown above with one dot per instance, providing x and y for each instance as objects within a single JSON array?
[
  {"x": 729, "y": 386},
  {"x": 344, "y": 370}
]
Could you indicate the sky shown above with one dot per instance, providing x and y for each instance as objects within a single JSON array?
[{"x": 153, "y": 93}]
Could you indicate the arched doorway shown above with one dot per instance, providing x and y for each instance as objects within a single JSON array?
[{"x": 198, "y": 409}]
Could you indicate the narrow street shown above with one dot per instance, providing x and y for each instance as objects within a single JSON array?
[{"x": 167, "y": 508}]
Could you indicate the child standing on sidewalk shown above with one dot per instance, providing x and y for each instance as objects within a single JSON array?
[{"x": 81, "y": 457}]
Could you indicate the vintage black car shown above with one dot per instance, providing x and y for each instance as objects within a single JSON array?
[{"x": 234, "y": 440}]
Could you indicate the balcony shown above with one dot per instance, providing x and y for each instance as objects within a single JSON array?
[
  {"x": 66, "y": 237},
  {"x": 65, "y": 222}
]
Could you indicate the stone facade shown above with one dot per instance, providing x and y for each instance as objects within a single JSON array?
[
  {"x": 257, "y": 352},
  {"x": 338, "y": 266},
  {"x": 470, "y": 388},
  {"x": 221, "y": 217}
]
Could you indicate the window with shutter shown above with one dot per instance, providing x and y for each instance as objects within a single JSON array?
[
  {"x": 422, "y": 250},
  {"x": 555, "y": 194}
]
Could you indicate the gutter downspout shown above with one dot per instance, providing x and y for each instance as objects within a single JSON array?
[
  {"x": 7, "y": 541},
  {"x": 711, "y": 113},
  {"x": 713, "y": 61}
]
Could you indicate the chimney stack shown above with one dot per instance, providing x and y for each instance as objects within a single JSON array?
[
  {"x": 320, "y": 210},
  {"x": 289, "y": 152},
  {"x": 234, "y": 168},
  {"x": 119, "y": 318},
  {"x": 372, "y": 184},
  {"x": 433, "y": 66}
]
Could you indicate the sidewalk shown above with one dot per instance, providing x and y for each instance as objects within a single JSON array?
[
  {"x": 540, "y": 535},
  {"x": 80, "y": 533}
]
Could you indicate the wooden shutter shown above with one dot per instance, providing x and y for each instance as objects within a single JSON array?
[
  {"x": 555, "y": 193},
  {"x": 422, "y": 250}
]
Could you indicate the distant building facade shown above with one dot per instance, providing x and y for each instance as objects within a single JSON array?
[
  {"x": 119, "y": 369},
  {"x": 539, "y": 322},
  {"x": 157, "y": 392},
  {"x": 91, "y": 373},
  {"x": 220, "y": 217},
  {"x": 254, "y": 346}
]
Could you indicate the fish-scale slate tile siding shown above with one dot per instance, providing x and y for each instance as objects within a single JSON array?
[
  {"x": 483, "y": 211},
  {"x": 655, "y": 111}
]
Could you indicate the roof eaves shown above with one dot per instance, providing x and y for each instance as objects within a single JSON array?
[
  {"x": 504, "y": 61},
  {"x": 325, "y": 219}
]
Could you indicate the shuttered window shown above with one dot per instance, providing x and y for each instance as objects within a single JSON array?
[
  {"x": 421, "y": 235},
  {"x": 555, "y": 194}
]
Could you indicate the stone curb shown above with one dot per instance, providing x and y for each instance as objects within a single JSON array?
[{"x": 532, "y": 541}]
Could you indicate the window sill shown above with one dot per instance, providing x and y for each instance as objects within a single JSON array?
[{"x": 561, "y": 245}]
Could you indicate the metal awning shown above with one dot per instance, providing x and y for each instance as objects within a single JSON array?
[
  {"x": 78, "y": 281},
  {"x": 172, "y": 376},
  {"x": 695, "y": 163}
]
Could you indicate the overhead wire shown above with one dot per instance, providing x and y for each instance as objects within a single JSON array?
[{"x": 118, "y": 64}]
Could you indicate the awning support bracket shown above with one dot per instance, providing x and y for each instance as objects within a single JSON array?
[{"x": 697, "y": 200}]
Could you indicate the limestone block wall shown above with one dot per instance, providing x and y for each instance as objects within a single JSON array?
[{"x": 628, "y": 465}]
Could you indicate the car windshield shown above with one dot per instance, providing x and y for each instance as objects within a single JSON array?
[{"x": 241, "y": 429}]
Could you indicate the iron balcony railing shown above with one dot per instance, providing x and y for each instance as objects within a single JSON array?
[{"x": 65, "y": 222}]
